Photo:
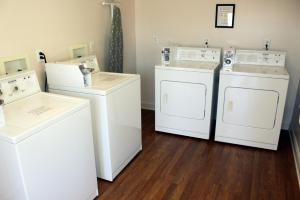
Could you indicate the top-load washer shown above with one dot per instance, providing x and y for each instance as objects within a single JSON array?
[
  {"x": 46, "y": 144},
  {"x": 252, "y": 94},
  {"x": 184, "y": 92},
  {"x": 116, "y": 109}
]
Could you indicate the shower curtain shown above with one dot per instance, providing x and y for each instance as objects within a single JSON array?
[{"x": 115, "y": 54}]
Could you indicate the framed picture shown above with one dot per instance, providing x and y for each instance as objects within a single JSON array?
[{"x": 225, "y": 15}]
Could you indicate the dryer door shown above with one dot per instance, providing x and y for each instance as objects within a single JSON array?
[
  {"x": 183, "y": 99},
  {"x": 250, "y": 107}
]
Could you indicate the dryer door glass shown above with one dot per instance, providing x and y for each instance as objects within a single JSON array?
[
  {"x": 250, "y": 107},
  {"x": 183, "y": 99}
]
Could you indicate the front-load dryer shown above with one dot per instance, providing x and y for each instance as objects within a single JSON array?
[
  {"x": 184, "y": 92},
  {"x": 116, "y": 110},
  {"x": 251, "y": 99}
]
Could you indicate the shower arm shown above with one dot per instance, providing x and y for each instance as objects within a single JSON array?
[{"x": 111, "y": 7}]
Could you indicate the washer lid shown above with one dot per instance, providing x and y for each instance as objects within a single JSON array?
[
  {"x": 258, "y": 71},
  {"x": 191, "y": 66},
  {"x": 29, "y": 115},
  {"x": 107, "y": 81},
  {"x": 103, "y": 83}
]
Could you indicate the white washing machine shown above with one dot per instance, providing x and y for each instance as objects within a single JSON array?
[
  {"x": 116, "y": 110},
  {"x": 184, "y": 92},
  {"x": 46, "y": 145},
  {"x": 251, "y": 100}
]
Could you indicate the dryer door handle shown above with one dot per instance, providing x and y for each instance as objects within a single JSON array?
[
  {"x": 230, "y": 106},
  {"x": 165, "y": 98}
]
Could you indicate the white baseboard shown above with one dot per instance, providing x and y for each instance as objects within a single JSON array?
[
  {"x": 148, "y": 105},
  {"x": 296, "y": 152}
]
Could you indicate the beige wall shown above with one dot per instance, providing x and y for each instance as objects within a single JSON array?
[
  {"x": 189, "y": 22},
  {"x": 128, "y": 16},
  {"x": 55, "y": 25}
]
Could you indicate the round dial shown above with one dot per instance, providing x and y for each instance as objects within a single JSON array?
[
  {"x": 16, "y": 88},
  {"x": 228, "y": 61}
]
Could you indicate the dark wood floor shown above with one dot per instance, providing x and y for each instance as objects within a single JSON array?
[{"x": 174, "y": 167}]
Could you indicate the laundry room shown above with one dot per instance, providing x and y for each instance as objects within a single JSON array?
[{"x": 149, "y": 99}]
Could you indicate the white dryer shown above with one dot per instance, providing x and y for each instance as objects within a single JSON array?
[
  {"x": 46, "y": 147},
  {"x": 184, "y": 92},
  {"x": 116, "y": 110},
  {"x": 252, "y": 98}
]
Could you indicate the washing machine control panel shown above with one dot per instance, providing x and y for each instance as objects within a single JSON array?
[
  {"x": 88, "y": 61},
  {"x": 15, "y": 87},
  {"x": 265, "y": 58},
  {"x": 198, "y": 54}
]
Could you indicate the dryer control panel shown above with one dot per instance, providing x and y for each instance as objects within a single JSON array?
[
  {"x": 266, "y": 58},
  {"x": 198, "y": 54},
  {"x": 228, "y": 57},
  {"x": 18, "y": 86}
]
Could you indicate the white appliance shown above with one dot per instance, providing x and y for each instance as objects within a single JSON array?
[
  {"x": 184, "y": 92},
  {"x": 46, "y": 145},
  {"x": 116, "y": 110},
  {"x": 252, "y": 98}
]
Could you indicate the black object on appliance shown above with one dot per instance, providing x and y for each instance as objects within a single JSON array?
[{"x": 43, "y": 57}]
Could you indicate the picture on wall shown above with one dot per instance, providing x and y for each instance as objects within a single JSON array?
[{"x": 225, "y": 15}]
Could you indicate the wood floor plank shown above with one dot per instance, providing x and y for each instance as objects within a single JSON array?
[{"x": 173, "y": 167}]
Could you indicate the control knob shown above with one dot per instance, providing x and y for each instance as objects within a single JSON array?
[{"x": 228, "y": 61}]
